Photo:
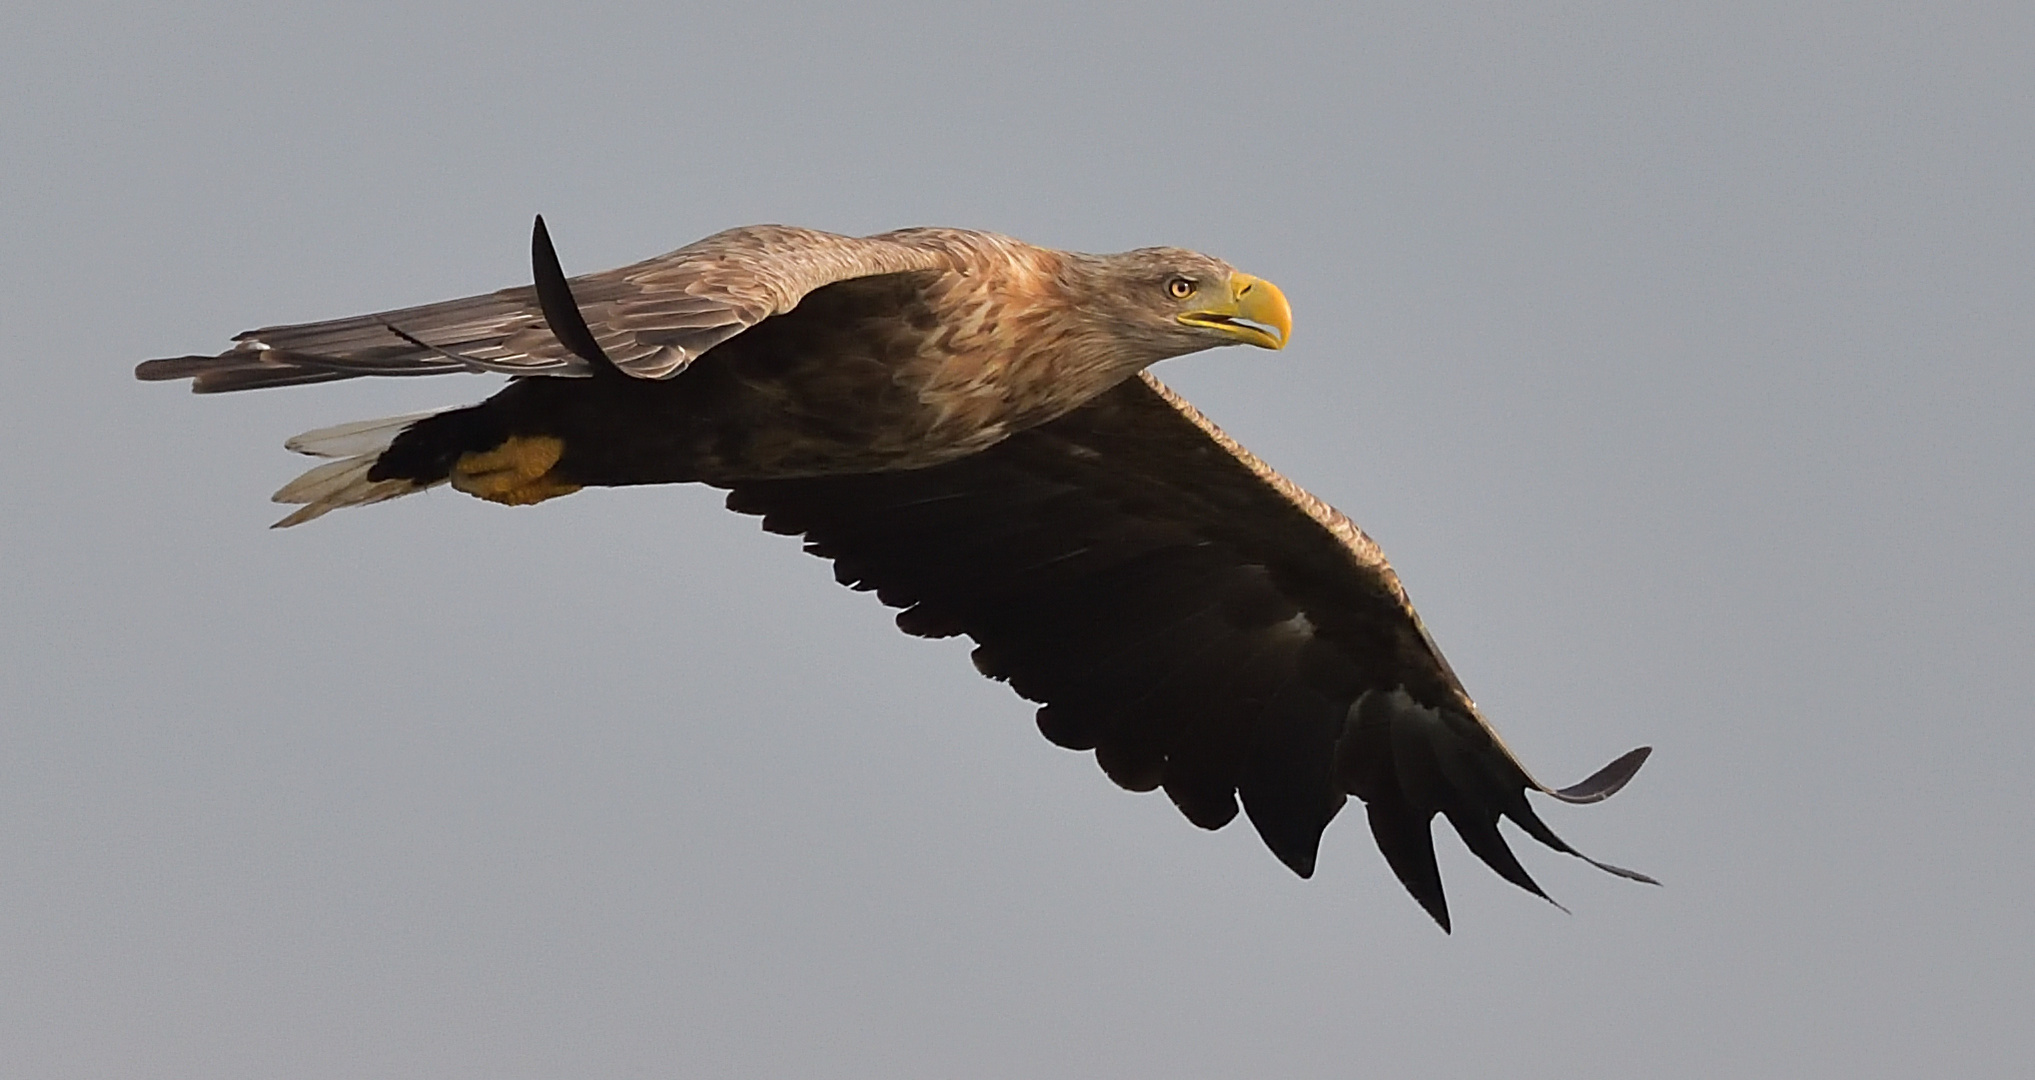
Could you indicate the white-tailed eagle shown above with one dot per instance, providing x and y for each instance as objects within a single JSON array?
[{"x": 964, "y": 424}]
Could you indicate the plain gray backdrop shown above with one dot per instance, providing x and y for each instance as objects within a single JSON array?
[{"x": 1681, "y": 357}]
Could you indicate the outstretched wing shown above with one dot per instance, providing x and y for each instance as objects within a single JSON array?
[
  {"x": 653, "y": 318},
  {"x": 1197, "y": 620}
]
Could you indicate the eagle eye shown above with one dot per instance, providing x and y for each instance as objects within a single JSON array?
[{"x": 1180, "y": 288}]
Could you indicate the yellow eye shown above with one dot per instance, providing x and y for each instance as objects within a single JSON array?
[{"x": 1180, "y": 288}]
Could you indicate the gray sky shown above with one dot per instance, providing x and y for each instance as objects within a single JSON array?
[{"x": 1680, "y": 358}]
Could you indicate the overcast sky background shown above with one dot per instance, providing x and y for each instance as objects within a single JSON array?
[{"x": 1682, "y": 358}]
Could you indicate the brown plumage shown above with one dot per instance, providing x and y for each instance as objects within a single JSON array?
[{"x": 963, "y": 424}]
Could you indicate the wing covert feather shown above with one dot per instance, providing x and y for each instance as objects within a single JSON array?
[{"x": 653, "y": 317}]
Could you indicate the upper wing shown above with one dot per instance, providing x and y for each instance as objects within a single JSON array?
[
  {"x": 1193, "y": 617},
  {"x": 652, "y": 318}
]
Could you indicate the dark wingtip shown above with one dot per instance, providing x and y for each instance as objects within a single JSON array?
[
  {"x": 1440, "y": 910},
  {"x": 1606, "y": 781},
  {"x": 1629, "y": 875},
  {"x": 1408, "y": 846},
  {"x": 1601, "y": 785},
  {"x": 173, "y": 367},
  {"x": 1289, "y": 824},
  {"x": 561, "y": 311},
  {"x": 1296, "y": 843},
  {"x": 1480, "y": 835}
]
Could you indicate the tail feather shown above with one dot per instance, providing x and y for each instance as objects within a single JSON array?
[
  {"x": 345, "y": 481},
  {"x": 359, "y": 437}
]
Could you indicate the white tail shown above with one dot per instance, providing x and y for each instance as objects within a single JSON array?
[{"x": 344, "y": 482}]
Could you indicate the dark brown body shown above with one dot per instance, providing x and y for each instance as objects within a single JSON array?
[{"x": 861, "y": 377}]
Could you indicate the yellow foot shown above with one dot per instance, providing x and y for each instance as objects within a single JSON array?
[{"x": 514, "y": 473}]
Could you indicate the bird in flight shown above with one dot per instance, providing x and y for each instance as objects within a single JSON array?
[{"x": 964, "y": 424}]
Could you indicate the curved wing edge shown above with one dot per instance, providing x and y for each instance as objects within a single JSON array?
[{"x": 1606, "y": 781}]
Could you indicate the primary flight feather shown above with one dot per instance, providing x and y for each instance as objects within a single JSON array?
[{"x": 964, "y": 424}]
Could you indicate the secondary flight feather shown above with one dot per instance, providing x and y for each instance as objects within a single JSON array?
[{"x": 965, "y": 425}]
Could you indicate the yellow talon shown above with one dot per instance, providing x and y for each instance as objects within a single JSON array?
[{"x": 514, "y": 473}]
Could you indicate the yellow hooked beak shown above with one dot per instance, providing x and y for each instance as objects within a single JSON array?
[{"x": 1254, "y": 313}]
